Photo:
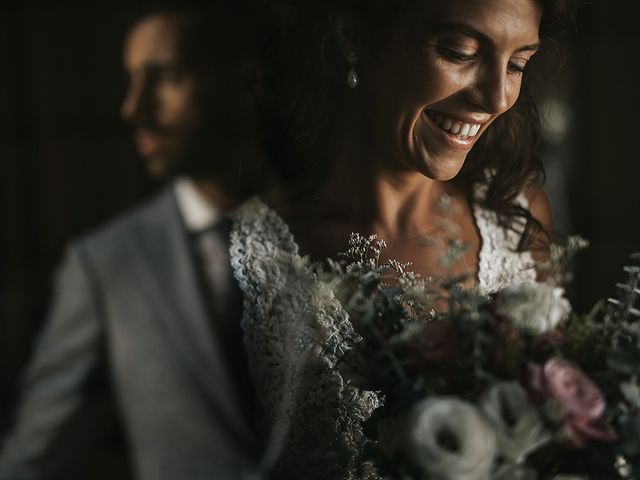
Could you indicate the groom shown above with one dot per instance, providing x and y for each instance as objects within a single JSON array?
[{"x": 149, "y": 298}]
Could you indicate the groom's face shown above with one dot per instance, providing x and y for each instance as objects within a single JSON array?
[{"x": 164, "y": 99}]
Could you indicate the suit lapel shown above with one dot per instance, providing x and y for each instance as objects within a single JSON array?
[{"x": 178, "y": 293}]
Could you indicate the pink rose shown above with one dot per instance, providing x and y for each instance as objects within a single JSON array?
[
  {"x": 582, "y": 401},
  {"x": 564, "y": 382}
]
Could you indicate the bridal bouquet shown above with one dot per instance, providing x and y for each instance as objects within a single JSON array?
[{"x": 511, "y": 386}]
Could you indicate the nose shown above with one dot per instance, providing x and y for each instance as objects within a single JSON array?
[
  {"x": 136, "y": 104},
  {"x": 493, "y": 89}
]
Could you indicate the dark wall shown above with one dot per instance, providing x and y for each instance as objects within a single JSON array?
[
  {"x": 66, "y": 160},
  {"x": 605, "y": 201}
]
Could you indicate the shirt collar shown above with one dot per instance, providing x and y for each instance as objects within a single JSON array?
[{"x": 197, "y": 211}]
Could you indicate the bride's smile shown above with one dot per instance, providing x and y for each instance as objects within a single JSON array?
[
  {"x": 461, "y": 128},
  {"x": 447, "y": 71},
  {"x": 456, "y": 133}
]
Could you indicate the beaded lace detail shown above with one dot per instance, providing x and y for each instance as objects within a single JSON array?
[{"x": 295, "y": 330}]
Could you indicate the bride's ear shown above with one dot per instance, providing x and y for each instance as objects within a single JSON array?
[{"x": 347, "y": 31}]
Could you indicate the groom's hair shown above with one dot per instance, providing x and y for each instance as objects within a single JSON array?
[{"x": 214, "y": 30}]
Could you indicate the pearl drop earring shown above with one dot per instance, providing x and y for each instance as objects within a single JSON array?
[{"x": 352, "y": 78}]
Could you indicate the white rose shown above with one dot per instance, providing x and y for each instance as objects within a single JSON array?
[
  {"x": 533, "y": 307},
  {"x": 449, "y": 440},
  {"x": 517, "y": 424}
]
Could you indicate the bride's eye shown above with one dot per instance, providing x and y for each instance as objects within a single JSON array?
[
  {"x": 454, "y": 54},
  {"x": 517, "y": 66}
]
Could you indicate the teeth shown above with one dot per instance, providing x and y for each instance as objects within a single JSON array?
[{"x": 462, "y": 130}]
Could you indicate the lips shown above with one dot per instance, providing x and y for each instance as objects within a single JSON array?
[
  {"x": 454, "y": 132},
  {"x": 453, "y": 125}
]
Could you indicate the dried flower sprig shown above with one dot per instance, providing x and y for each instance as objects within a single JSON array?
[{"x": 410, "y": 351}]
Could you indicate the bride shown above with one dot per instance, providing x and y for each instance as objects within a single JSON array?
[{"x": 380, "y": 108}]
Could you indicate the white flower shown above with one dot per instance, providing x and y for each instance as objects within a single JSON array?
[
  {"x": 449, "y": 440},
  {"x": 534, "y": 307},
  {"x": 517, "y": 424}
]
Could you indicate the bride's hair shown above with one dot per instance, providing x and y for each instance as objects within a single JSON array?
[{"x": 309, "y": 68}]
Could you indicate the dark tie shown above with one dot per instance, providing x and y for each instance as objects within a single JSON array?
[{"x": 225, "y": 306}]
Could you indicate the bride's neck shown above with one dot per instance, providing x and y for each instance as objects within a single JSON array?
[{"x": 365, "y": 186}]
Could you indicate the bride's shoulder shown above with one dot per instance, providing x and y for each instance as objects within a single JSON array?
[
  {"x": 539, "y": 206},
  {"x": 532, "y": 198}
]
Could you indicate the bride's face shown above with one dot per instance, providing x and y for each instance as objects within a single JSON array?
[{"x": 445, "y": 72}]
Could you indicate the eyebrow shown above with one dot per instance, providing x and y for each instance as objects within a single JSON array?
[{"x": 467, "y": 29}]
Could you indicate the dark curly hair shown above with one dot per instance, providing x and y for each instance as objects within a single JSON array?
[{"x": 308, "y": 80}]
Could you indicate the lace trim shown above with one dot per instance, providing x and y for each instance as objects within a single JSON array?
[
  {"x": 499, "y": 262},
  {"x": 295, "y": 331}
]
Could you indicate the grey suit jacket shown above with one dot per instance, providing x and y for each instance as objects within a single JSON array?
[{"x": 128, "y": 295}]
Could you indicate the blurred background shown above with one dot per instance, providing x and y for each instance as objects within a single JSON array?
[{"x": 67, "y": 162}]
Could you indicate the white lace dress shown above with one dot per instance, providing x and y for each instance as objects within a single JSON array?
[{"x": 312, "y": 418}]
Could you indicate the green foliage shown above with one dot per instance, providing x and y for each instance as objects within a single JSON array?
[
  {"x": 556, "y": 267},
  {"x": 428, "y": 337}
]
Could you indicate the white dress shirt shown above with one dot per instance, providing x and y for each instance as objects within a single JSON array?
[{"x": 203, "y": 220}]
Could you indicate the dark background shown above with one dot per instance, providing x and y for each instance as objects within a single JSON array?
[{"x": 67, "y": 163}]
